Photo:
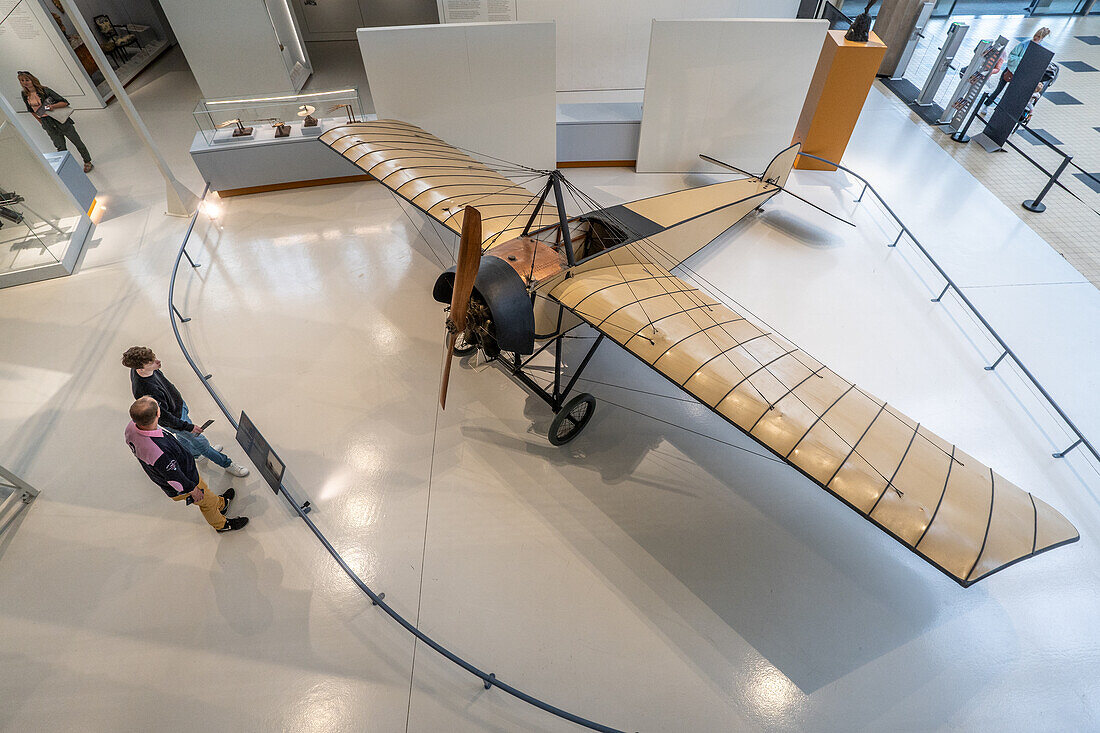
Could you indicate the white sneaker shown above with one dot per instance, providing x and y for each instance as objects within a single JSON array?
[
  {"x": 235, "y": 469},
  {"x": 218, "y": 447}
]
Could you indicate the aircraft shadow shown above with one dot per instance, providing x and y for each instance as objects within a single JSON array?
[{"x": 808, "y": 583}]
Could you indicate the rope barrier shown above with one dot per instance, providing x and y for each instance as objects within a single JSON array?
[{"x": 488, "y": 679}]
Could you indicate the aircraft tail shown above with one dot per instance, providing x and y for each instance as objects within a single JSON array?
[{"x": 780, "y": 167}]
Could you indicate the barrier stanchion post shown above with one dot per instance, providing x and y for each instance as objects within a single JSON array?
[
  {"x": 961, "y": 136},
  {"x": 1036, "y": 204}
]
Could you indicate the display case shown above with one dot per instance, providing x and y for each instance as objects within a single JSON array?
[
  {"x": 278, "y": 116},
  {"x": 42, "y": 227}
]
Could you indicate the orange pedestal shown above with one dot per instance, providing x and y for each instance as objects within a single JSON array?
[{"x": 845, "y": 72}]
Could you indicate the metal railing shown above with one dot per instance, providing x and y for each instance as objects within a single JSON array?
[
  {"x": 488, "y": 679},
  {"x": 1006, "y": 350},
  {"x": 20, "y": 494}
]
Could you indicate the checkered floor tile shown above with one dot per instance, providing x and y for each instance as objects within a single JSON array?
[
  {"x": 1061, "y": 98},
  {"x": 1036, "y": 133},
  {"x": 1078, "y": 66},
  {"x": 1071, "y": 221},
  {"x": 1092, "y": 180}
]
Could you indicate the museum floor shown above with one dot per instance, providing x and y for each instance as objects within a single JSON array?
[
  {"x": 1068, "y": 115},
  {"x": 660, "y": 573}
]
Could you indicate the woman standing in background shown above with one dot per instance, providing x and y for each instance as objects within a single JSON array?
[{"x": 40, "y": 102}]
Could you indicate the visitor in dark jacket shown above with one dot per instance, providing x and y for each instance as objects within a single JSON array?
[
  {"x": 146, "y": 380},
  {"x": 170, "y": 466}
]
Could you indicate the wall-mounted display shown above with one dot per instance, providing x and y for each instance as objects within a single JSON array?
[{"x": 275, "y": 116}]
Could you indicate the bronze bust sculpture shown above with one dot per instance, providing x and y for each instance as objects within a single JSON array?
[{"x": 861, "y": 26}]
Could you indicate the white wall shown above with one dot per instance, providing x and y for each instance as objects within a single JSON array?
[
  {"x": 488, "y": 87},
  {"x": 602, "y": 44},
  {"x": 230, "y": 47},
  {"x": 31, "y": 40},
  {"x": 733, "y": 89},
  {"x": 337, "y": 20}
]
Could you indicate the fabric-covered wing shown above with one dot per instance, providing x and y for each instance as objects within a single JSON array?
[
  {"x": 438, "y": 178},
  {"x": 936, "y": 500}
]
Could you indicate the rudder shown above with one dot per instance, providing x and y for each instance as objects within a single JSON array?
[{"x": 779, "y": 169}]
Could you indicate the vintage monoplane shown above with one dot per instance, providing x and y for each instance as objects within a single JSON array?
[{"x": 527, "y": 273}]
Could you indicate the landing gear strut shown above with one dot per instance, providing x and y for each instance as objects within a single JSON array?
[{"x": 571, "y": 419}]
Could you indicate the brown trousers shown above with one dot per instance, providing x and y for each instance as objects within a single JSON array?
[{"x": 210, "y": 506}]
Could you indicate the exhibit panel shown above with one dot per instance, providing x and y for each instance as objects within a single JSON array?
[
  {"x": 42, "y": 227},
  {"x": 732, "y": 89},
  {"x": 603, "y": 46},
  {"x": 486, "y": 87},
  {"x": 238, "y": 47},
  {"x": 31, "y": 40}
]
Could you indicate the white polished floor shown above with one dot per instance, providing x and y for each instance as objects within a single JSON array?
[{"x": 660, "y": 573}]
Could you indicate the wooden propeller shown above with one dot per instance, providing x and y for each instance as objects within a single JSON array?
[{"x": 469, "y": 259}]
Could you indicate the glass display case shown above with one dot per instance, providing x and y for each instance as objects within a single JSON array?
[
  {"x": 275, "y": 116},
  {"x": 42, "y": 228}
]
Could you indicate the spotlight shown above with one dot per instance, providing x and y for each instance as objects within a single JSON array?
[{"x": 211, "y": 209}]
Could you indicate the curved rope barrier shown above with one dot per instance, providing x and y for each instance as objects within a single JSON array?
[
  {"x": 488, "y": 679},
  {"x": 1006, "y": 351}
]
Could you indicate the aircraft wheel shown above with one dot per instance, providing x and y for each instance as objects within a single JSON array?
[
  {"x": 464, "y": 348},
  {"x": 572, "y": 418}
]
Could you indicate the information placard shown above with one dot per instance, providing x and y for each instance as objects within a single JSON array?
[
  {"x": 476, "y": 11},
  {"x": 259, "y": 451}
]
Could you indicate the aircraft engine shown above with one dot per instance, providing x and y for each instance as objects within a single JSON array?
[{"x": 500, "y": 316}]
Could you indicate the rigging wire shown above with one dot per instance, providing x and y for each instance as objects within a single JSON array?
[
  {"x": 642, "y": 413},
  {"x": 649, "y": 244}
]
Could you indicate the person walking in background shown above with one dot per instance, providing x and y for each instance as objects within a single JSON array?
[
  {"x": 1014, "y": 57},
  {"x": 40, "y": 102},
  {"x": 173, "y": 469},
  {"x": 146, "y": 380}
]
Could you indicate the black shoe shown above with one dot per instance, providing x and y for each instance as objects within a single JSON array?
[
  {"x": 228, "y": 496},
  {"x": 234, "y": 523}
]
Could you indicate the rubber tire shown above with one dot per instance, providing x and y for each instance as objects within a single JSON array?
[
  {"x": 464, "y": 350},
  {"x": 565, "y": 417}
]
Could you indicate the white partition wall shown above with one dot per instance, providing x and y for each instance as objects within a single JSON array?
[
  {"x": 488, "y": 87},
  {"x": 730, "y": 88},
  {"x": 240, "y": 47},
  {"x": 603, "y": 45}
]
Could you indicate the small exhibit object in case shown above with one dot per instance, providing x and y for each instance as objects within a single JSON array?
[
  {"x": 239, "y": 131},
  {"x": 306, "y": 111}
]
